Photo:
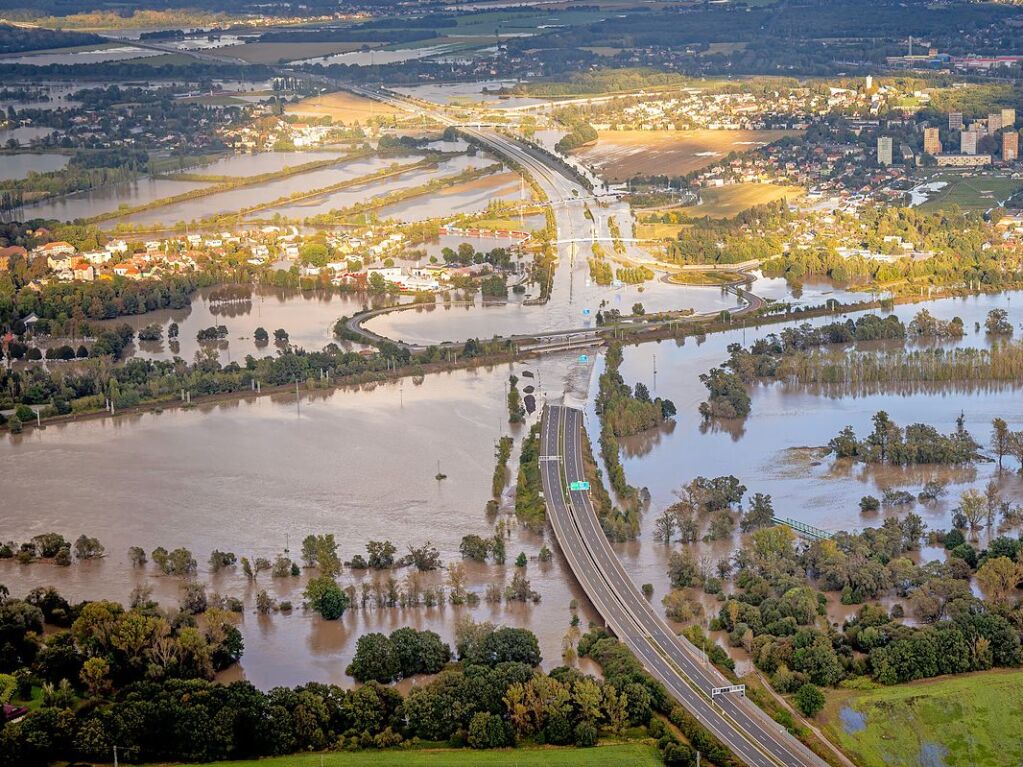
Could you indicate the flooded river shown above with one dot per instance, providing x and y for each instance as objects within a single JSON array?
[
  {"x": 257, "y": 475},
  {"x": 766, "y": 450}
]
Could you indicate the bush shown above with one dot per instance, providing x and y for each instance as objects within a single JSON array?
[
  {"x": 487, "y": 731},
  {"x": 585, "y": 734},
  {"x": 869, "y": 504}
]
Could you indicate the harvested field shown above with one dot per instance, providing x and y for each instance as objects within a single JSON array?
[
  {"x": 727, "y": 201},
  {"x": 619, "y": 155},
  {"x": 342, "y": 106}
]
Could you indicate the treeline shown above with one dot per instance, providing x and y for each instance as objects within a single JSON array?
[
  {"x": 84, "y": 301},
  {"x": 580, "y": 133},
  {"x": 19, "y": 39},
  {"x": 875, "y": 370},
  {"x": 134, "y": 678},
  {"x": 726, "y": 385},
  {"x": 918, "y": 443},
  {"x": 624, "y": 411},
  {"x": 88, "y": 385},
  {"x": 530, "y": 507}
]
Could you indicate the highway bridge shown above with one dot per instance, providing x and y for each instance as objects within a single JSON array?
[{"x": 677, "y": 664}]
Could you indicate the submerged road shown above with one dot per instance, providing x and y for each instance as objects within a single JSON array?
[{"x": 677, "y": 664}]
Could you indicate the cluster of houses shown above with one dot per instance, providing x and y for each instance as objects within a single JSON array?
[{"x": 362, "y": 258}]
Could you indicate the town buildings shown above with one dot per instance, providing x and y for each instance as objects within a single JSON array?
[
  {"x": 1010, "y": 146},
  {"x": 884, "y": 150}
]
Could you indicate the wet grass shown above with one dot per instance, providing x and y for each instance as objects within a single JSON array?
[
  {"x": 971, "y": 192},
  {"x": 961, "y": 720},
  {"x": 632, "y": 754}
]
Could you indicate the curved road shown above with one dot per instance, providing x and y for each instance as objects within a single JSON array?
[{"x": 678, "y": 665}]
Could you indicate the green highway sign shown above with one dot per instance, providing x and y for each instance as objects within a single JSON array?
[{"x": 579, "y": 486}]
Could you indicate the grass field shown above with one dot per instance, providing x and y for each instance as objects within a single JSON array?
[
  {"x": 715, "y": 277},
  {"x": 271, "y": 53},
  {"x": 341, "y": 106},
  {"x": 632, "y": 754},
  {"x": 971, "y": 192},
  {"x": 618, "y": 155},
  {"x": 964, "y": 720}
]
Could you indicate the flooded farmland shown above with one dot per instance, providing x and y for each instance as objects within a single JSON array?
[
  {"x": 16, "y": 166},
  {"x": 107, "y": 199},
  {"x": 236, "y": 199}
]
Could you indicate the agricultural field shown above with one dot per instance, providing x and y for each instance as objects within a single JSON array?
[
  {"x": 971, "y": 190},
  {"x": 271, "y": 53},
  {"x": 657, "y": 231},
  {"x": 342, "y": 106},
  {"x": 632, "y": 754},
  {"x": 961, "y": 720},
  {"x": 618, "y": 155},
  {"x": 727, "y": 201}
]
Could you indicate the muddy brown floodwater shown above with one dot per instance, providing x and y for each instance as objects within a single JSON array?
[
  {"x": 257, "y": 475},
  {"x": 765, "y": 451},
  {"x": 308, "y": 317}
]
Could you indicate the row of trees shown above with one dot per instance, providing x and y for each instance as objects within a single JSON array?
[
  {"x": 623, "y": 411},
  {"x": 53, "y": 547},
  {"x": 918, "y": 443},
  {"x": 138, "y": 680}
]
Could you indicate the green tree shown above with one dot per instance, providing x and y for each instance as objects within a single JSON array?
[
  {"x": 375, "y": 658},
  {"x": 326, "y": 597},
  {"x": 810, "y": 700}
]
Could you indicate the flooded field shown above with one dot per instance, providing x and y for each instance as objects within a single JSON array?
[
  {"x": 337, "y": 200},
  {"x": 84, "y": 56},
  {"x": 470, "y": 197},
  {"x": 247, "y": 165},
  {"x": 482, "y": 92},
  {"x": 256, "y": 476},
  {"x": 108, "y": 198},
  {"x": 619, "y": 155},
  {"x": 15, "y": 166},
  {"x": 308, "y": 317},
  {"x": 236, "y": 199},
  {"x": 24, "y": 135},
  {"x": 376, "y": 57}
]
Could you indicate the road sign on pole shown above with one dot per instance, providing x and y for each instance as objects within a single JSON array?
[{"x": 579, "y": 486}]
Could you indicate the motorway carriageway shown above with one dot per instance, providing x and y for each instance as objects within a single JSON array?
[{"x": 678, "y": 665}]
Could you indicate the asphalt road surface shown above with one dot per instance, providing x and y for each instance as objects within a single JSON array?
[{"x": 672, "y": 660}]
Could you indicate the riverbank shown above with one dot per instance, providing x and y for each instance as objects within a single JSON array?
[{"x": 653, "y": 329}]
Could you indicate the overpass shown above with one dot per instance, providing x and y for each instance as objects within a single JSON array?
[{"x": 674, "y": 662}]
